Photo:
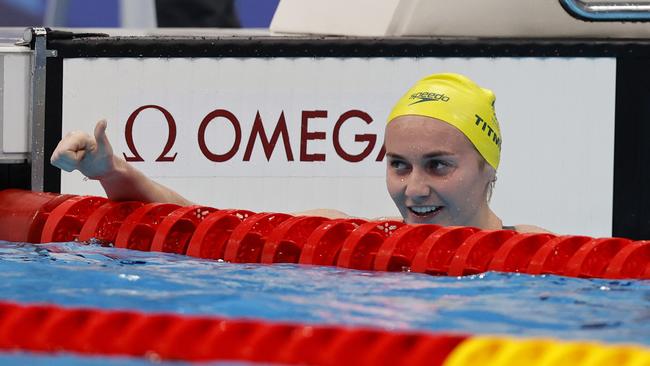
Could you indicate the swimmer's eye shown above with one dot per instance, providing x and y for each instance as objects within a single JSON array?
[
  {"x": 439, "y": 167},
  {"x": 398, "y": 165}
]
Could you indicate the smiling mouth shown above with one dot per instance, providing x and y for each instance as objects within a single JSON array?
[{"x": 425, "y": 211}]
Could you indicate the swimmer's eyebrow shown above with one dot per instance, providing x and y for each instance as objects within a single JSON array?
[
  {"x": 430, "y": 155},
  {"x": 437, "y": 154},
  {"x": 395, "y": 156}
]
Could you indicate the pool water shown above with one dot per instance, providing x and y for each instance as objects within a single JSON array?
[{"x": 71, "y": 274}]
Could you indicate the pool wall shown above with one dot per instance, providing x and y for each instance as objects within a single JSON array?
[{"x": 594, "y": 188}]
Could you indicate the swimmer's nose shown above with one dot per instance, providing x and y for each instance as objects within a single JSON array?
[{"x": 417, "y": 186}]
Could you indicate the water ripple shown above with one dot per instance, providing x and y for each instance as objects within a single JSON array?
[{"x": 514, "y": 304}]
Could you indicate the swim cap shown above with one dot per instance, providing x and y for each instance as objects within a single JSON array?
[{"x": 457, "y": 100}]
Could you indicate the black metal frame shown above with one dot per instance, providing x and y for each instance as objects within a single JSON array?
[
  {"x": 345, "y": 47},
  {"x": 53, "y": 119},
  {"x": 631, "y": 211}
]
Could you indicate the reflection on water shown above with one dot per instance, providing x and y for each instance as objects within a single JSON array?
[{"x": 520, "y": 305}]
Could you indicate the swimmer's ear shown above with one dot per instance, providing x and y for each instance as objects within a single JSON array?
[
  {"x": 490, "y": 171},
  {"x": 493, "y": 174}
]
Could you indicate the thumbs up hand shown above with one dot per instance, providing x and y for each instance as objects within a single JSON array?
[{"x": 91, "y": 155}]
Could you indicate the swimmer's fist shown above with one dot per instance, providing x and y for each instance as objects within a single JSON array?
[{"x": 92, "y": 156}]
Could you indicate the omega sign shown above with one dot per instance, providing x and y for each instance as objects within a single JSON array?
[{"x": 274, "y": 140}]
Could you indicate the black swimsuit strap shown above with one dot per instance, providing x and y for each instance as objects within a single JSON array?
[{"x": 504, "y": 227}]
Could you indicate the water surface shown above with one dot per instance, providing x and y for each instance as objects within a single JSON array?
[{"x": 70, "y": 274}]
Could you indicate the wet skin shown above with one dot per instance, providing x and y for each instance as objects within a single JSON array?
[{"x": 435, "y": 175}]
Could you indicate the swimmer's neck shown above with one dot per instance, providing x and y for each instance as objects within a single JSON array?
[{"x": 486, "y": 219}]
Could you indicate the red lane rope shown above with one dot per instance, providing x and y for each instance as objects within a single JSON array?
[
  {"x": 50, "y": 328},
  {"x": 245, "y": 237}
]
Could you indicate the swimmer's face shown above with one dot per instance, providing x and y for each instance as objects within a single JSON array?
[{"x": 434, "y": 174}]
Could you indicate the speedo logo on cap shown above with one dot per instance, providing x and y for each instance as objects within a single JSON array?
[{"x": 428, "y": 97}]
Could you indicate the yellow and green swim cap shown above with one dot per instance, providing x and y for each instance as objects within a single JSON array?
[{"x": 457, "y": 100}]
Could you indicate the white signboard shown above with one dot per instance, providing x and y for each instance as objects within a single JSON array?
[{"x": 290, "y": 134}]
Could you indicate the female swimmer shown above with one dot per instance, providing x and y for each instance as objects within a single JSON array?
[{"x": 443, "y": 146}]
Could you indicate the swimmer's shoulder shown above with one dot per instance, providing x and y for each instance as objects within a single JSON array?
[
  {"x": 527, "y": 229},
  {"x": 323, "y": 212}
]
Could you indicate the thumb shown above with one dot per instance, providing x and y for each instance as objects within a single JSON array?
[{"x": 100, "y": 136}]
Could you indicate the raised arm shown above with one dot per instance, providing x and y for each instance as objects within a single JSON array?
[{"x": 94, "y": 158}]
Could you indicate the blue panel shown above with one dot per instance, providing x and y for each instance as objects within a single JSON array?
[
  {"x": 21, "y": 13},
  {"x": 33, "y": 7},
  {"x": 93, "y": 13},
  {"x": 256, "y": 13}
]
